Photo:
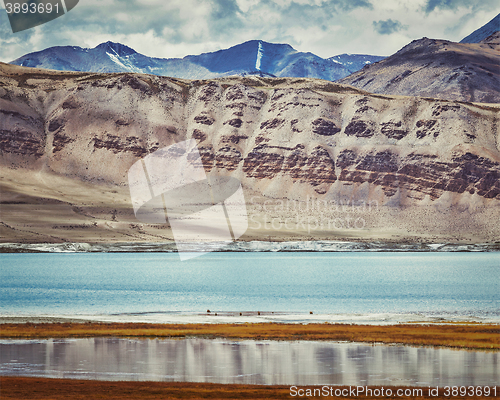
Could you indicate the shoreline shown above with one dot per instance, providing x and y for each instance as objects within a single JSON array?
[
  {"x": 467, "y": 336},
  {"x": 256, "y": 246},
  {"x": 252, "y": 317}
]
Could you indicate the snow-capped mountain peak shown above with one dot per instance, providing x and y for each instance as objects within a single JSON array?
[
  {"x": 116, "y": 48},
  {"x": 248, "y": 58}
]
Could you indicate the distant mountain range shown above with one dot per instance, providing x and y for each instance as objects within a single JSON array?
[
  {"x": 355, "y": 62},
  {"x": 466, "y": 71},
  {"x": 482, "y": 33},
  {"x": 254, "y": 57}
]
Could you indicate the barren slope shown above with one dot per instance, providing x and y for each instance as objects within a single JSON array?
[
  {"x": 436, "y": 68},
  {"x": 353, "y": 164}
]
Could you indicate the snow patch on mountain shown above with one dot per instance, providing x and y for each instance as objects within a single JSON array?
[
  {"x": 260, "y": 53},
  {"x": 124, "y": 63},
  {"x": 354, "y": 62}
]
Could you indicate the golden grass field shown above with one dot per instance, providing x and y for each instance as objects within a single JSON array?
[
  {"x": 21, "y": 388},
  {"x": 468, "y": 336}
]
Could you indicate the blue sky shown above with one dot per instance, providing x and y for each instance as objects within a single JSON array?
[{"x": 163, "y": 28}]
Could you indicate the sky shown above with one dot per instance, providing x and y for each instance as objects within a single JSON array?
[{"x": 176, "y": 28}]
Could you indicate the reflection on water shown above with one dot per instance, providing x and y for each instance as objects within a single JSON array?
[{"x": 248, "y": 361}]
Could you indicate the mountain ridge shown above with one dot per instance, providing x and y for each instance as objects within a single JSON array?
[
  {"x": 252, "y": 57},
  {"x": 355, "y": 62}
]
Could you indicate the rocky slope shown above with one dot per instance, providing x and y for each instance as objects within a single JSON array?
[
  {"x": 436, "y": 68},
  {"x": 404, "y": 168}
]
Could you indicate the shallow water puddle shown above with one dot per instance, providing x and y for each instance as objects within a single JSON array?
[{"x": 247, "y": 362}]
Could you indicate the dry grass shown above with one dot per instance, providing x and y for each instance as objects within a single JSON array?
[
  {"x": 41, "y": 388},
  {"x": 467, "y": 336}
]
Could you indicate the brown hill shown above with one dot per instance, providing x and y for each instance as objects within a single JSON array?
[
  {"x": 353, "y": 164},
  {"x": 436, "y": 68}
]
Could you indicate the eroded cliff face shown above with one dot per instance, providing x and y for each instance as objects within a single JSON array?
[
  {"x": 282, "y": 138},
  {"x": 329, "y": 137}
]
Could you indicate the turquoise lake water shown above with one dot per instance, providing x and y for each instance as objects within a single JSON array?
[{"x": 343, "y": 283}]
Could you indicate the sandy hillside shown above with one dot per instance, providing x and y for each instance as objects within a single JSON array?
[{"x": 317, "y": 160}]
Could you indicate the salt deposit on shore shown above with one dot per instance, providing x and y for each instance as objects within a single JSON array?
[
  {"x": 215, "y": 317},
  {"x": 250, "y": 246}
]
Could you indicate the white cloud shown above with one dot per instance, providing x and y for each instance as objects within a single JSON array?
[
  {"x": 123, "y": 17},
  {"x": 244, "y": 5}
]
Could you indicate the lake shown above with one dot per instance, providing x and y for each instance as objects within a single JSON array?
[
  {"x": 262, "y": 287},
  {"x": 447, "y": 285}
]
